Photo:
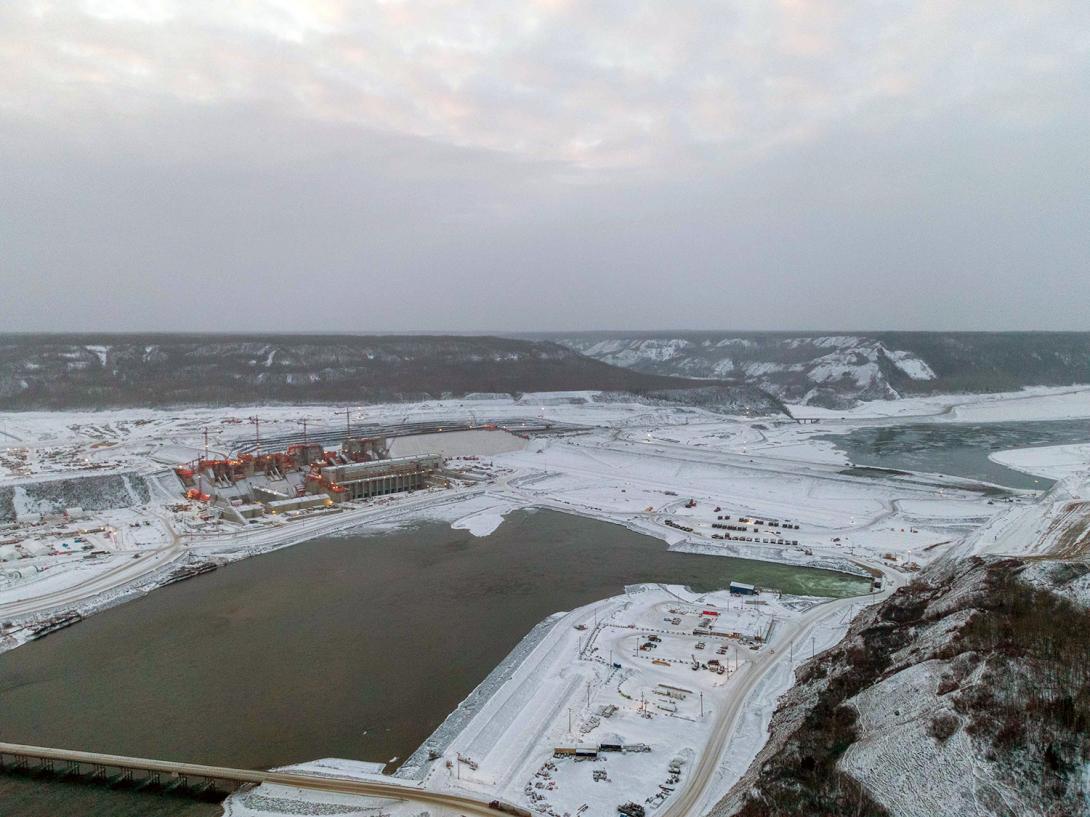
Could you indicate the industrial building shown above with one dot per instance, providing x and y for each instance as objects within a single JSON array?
[
  {"x": 363, "y": 480},
  {"x": 305, "y": 477}
]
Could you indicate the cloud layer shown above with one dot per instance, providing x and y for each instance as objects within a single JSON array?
[{"x": 548, "y": 164}]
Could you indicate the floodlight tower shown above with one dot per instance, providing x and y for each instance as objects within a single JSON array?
[{"x": 257, "y": 432}]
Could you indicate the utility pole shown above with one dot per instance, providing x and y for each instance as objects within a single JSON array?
[
  {"x": 205, "y": 428},
  {"x": 702, "y": 706},
  {"x": 569, "y": 721},
  {"x": 588, "y": 694},
  {"x": 257, "y": 432}
]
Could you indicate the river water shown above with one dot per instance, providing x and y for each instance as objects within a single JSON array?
[
  {"x": 958, "y": 449},
  {"x": 355, "y": 646}
]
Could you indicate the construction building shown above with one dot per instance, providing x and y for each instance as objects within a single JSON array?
[
  {"x": 742, "y": 589},
  {"x": 365, "y": 449},
  {"x": 362, "y": 480},
  {"x": 305, "y": 476}
]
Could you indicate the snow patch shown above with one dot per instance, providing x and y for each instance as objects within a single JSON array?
[
  {"x": 913, "y": 366},
  {"x": 101, "y": 351},
  {"x": 480, "y": 524}
]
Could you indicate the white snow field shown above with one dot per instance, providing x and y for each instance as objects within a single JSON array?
[
  {"x": 688, "y": 476},
  {"x": 1053, "y": 461}
]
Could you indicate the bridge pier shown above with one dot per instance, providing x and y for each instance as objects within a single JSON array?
[
  {"x": 179, "y": 782},
  {"x": 152, "y": 779},
  {"x": 209, "y": 787}
]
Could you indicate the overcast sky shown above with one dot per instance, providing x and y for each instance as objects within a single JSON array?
[{"x": 543, "y": 164}]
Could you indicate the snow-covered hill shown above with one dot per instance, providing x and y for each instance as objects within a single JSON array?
[
  {"x": 963, "y": 693},
  {"x": 836, "y": 370},
  {"x": 87, "y": 371},
  {"x": 823, "y": 370}
]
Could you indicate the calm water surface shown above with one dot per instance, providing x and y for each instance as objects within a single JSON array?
[{"x": 352, "y": 647}]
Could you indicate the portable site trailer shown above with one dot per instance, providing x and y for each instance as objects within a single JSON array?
[{"x": 575, "y": 751}]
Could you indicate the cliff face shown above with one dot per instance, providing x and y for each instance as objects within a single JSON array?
[
  {"x": 93, "y": 371},
  {"x": 837, "y": 370},
  {"x": 965, "y": 693}
]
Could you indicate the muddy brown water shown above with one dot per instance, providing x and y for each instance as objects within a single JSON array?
[{"x": 355, "y": 646}]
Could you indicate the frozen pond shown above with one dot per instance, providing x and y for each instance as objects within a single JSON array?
[
  {"x": 958, "y": 449},
  {"x": 353, "y": 647}
]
